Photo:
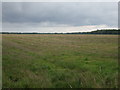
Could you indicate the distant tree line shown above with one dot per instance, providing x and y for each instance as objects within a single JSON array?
[{"x": 103, "y": 31}]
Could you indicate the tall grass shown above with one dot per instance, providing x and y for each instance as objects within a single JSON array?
[{"x": 60, "y": 61}]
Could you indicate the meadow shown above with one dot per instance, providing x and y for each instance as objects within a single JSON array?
[{"x": 59, "y": 61}]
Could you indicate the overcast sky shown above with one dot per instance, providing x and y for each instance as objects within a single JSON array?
[{"x": 59, "y": 17}]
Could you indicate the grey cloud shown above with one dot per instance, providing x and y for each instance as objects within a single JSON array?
[
  {"x": 73, "y": 14},
  {"x": 0, "y": 12}
]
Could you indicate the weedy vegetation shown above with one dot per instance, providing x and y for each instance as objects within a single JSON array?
[{"x": 59, "y": 61}]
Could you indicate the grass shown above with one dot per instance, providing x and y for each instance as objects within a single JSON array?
[{"x": 60, "y": 61}]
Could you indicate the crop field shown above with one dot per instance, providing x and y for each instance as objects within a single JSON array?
[{"x": 59, "y": 61}]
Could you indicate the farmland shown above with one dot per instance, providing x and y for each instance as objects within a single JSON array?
[{"x": 57, "y": 61}]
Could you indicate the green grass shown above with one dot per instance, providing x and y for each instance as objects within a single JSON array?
[{"x": 57, "y": 61}]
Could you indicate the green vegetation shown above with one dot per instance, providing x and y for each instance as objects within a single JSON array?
[
  {"x": 0, "y": 61},
  {"x": 56, "y": 61},
  {"x": 103, "y": 31}
]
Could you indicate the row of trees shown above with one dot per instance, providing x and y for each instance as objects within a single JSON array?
[{"x": 104, "y": 31}]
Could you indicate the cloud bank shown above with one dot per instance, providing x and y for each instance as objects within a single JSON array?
[{"x": 62, "y": 14}]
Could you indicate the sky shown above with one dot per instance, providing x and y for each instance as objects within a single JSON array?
[
  {"x": 0, "y": 16},
  {"x": 58, "y": 16}
]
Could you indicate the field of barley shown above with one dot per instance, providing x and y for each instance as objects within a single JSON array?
[{"x": 59, "y": 61}]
